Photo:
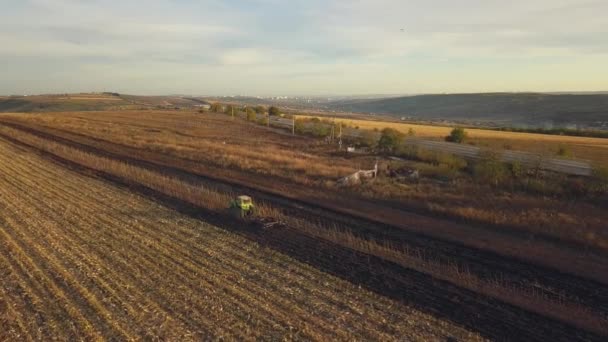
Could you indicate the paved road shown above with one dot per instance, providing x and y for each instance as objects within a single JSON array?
[{"x": 567, "y": 166}]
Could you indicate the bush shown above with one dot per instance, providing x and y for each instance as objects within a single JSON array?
[
  {"x": 251, "y": 115},
  {"x": 600, "y": 179},
  {"x": 451, "y": 161},
  {"x": 216, "y": 107},
  {"x": 490, "y": 169},
  {"x": 411, "y": 132},
  {"x": 320, "y": 130},
  {"x": 444, "y": 160},
  {"x": 300, "y": 127},
  {"x": 517, "y": 170},
  {"x": 229, "y": 109},
  {"x": 390, "y": 140},
  {"x": 368, "y": 139},
  {"x": 274, "y": 111},
  {"x": 563, "y": 151},
  {"x": 540, "y": 186},
  {"x": 260, "y": 109},
  {"x": 458, "y": 135},
  {"x": 262, "y": 121}
]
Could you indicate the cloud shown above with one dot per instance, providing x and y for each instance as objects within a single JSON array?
[{"x": 337, "y": 46}]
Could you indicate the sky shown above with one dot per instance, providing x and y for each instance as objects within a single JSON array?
[{"x": 302, "y": 47}]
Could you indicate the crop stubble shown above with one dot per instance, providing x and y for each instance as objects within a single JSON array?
[{"x": 81, "y": 258}]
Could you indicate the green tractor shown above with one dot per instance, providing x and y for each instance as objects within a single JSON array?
[{"x": 242, "y": 207}]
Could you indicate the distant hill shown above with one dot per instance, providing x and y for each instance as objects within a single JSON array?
[
  {"x": 501, "y": 109},
  {"x": 91, "y": 102}
]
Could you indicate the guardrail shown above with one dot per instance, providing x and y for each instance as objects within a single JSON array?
[{"x": 566, "y": 166}]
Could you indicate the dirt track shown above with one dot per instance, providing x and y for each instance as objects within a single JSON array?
[{"x": 394, "y": 285}]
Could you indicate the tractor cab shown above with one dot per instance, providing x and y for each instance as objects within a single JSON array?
[
  {"x": 242, "y": 206},
  {"x": 244, "y": 202}
]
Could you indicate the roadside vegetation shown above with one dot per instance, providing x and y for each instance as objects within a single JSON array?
[{"x": 457, "y": 135}]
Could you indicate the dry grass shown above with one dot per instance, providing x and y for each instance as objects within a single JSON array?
[
  {"x": 112, "y": 265},
  {"x": 213, "y": 199},
  {"x": 239, "y": 146}
]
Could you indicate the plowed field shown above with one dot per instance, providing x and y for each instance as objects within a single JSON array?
[{"x": 83, "y": 259}]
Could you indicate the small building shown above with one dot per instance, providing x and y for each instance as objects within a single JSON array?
[{"x": 203, "y": 106}]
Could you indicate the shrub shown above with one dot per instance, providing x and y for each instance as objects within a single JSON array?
[
  {"x": 444, "y": 160},
  {"x": 260, "y": 109},
  {"x": 407, "y": 151},
  {"x": 390, "y": 140},
  {"x": 411, "y": 132},
  {"x": 600, "y": 177},
  {"x": 229, "y": 109},
  {"x": 320, "y": 130},
  {"x": 490, "y": 169},
  {"x": 451, "y": 161},
  {"x": 251, "y": 115},
  {"x": 458, "y": 135},
  {"x": 550, "y": 187},
  {"x": 300, "y": 127},
  {"x": 216, "y": 107},
  {"x": 274, "y": 111},
  {"x": 261, "y": 121},
  {"x": 517, "y": 170},
  {"x": 563, "y": 151},
  {"x": 368, "y": 139}
]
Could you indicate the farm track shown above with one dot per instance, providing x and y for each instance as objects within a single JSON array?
[
  {"x": 446, "y": 300},
  {"x": 117, "y": 267},
  {"x": 544, "y": 281}
]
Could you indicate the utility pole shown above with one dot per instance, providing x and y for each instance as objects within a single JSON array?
[
  {"x": 293, "y": 125},
  {"x": 232, "y": 112},
  {"x": 340, "y": 136}
]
